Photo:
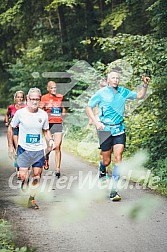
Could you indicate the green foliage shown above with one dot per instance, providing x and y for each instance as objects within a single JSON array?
[
  {"x": 29, "y": 71},
  {"x": 79, "y": 133},
  {"x": 6, "y": 239},
  {"x": 161, "y": 171},
  {"x": 83, "y": 142},
  {"x": 4, "y": 88},
  {"x": 5, "y": 236},
  {"x": 158, "y": 13},
  {"x": 2, "y": 111},
  {"x": 55, "y": 3},
  {"x": 117, "y": 17},
  {"x": 8, "y": 16}
]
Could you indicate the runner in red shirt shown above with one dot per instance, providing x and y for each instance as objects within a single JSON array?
[
  {"x": 19, "y": 98},
  {"x": 19, "y": 102},
  {"x": 52, "y": 104}
]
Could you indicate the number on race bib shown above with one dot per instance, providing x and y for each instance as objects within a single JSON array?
[{"x": 33, "y": 138}]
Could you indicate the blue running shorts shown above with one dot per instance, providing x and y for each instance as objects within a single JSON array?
[{"x": 30, "y": 158}]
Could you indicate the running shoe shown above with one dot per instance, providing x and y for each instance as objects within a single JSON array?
[
  {"x": 15, "y": 162},
  {"x": 114, "y": 196},
  {"x": 102, "y": 170},
  {"x": 46, "y": 164},
  {"x": 102, "y": 174},
  {"x": 107, "y": 176},
  {"x": 24, "y": 185},
  {"x": 32, "y": 204},
  {"x": 57, "y": 174}
]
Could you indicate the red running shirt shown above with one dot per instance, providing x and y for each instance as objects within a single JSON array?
[
  {"x": 12, "y": 109},
  {"x": 53, "y": 106}
]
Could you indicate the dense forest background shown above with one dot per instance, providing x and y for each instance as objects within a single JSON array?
[{"x": 51, "y": 36}]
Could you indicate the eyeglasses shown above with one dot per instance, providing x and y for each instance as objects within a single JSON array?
[{"x": 34, "y": 99}]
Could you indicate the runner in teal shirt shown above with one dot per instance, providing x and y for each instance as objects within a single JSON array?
[
  {"x": 111, "y": 129},
  {"x": 111, "y": 103}
]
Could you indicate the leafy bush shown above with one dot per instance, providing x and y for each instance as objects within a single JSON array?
[{"x": 6, "y": 239}]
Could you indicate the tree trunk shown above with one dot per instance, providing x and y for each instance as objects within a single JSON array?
[
  {"x": 63, "y": 30},
  {"x": 89, "y": 23}
]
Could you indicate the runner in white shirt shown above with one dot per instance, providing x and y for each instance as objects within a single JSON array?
[{"x": 33, "y": 122}]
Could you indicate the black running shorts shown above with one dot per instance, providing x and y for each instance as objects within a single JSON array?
[
  {"x": 107, "y": 141},
  {"x": 56, "y": 128}
]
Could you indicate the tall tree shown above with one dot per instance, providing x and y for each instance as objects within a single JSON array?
[{"x": 63, "y": 29}]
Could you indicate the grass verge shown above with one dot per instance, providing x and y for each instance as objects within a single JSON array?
[
  {"x": 7, "y": 237},
  {"x": 3, "y": 111}
]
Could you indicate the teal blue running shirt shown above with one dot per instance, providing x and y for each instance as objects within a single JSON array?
[{"x": 111, "y": 105}]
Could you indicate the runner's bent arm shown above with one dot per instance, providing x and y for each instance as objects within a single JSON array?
[
  {"x": 45, "y": 105},
  {"x": 95, "y": 113},
  {"x": 90, "y": 114},
  {"x": 142, "y": 92}
]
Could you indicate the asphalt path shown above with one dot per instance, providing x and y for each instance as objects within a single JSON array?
[{"x": 76, "y": 213}]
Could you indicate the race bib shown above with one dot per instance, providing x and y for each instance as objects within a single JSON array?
[
  {"x": 56, "y": 111},
  {"x": 117, "y": 129},
  {"x": 33, "y": 138}
]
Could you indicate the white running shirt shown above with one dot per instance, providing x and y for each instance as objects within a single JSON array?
[{"x": 30, "y": 128}]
